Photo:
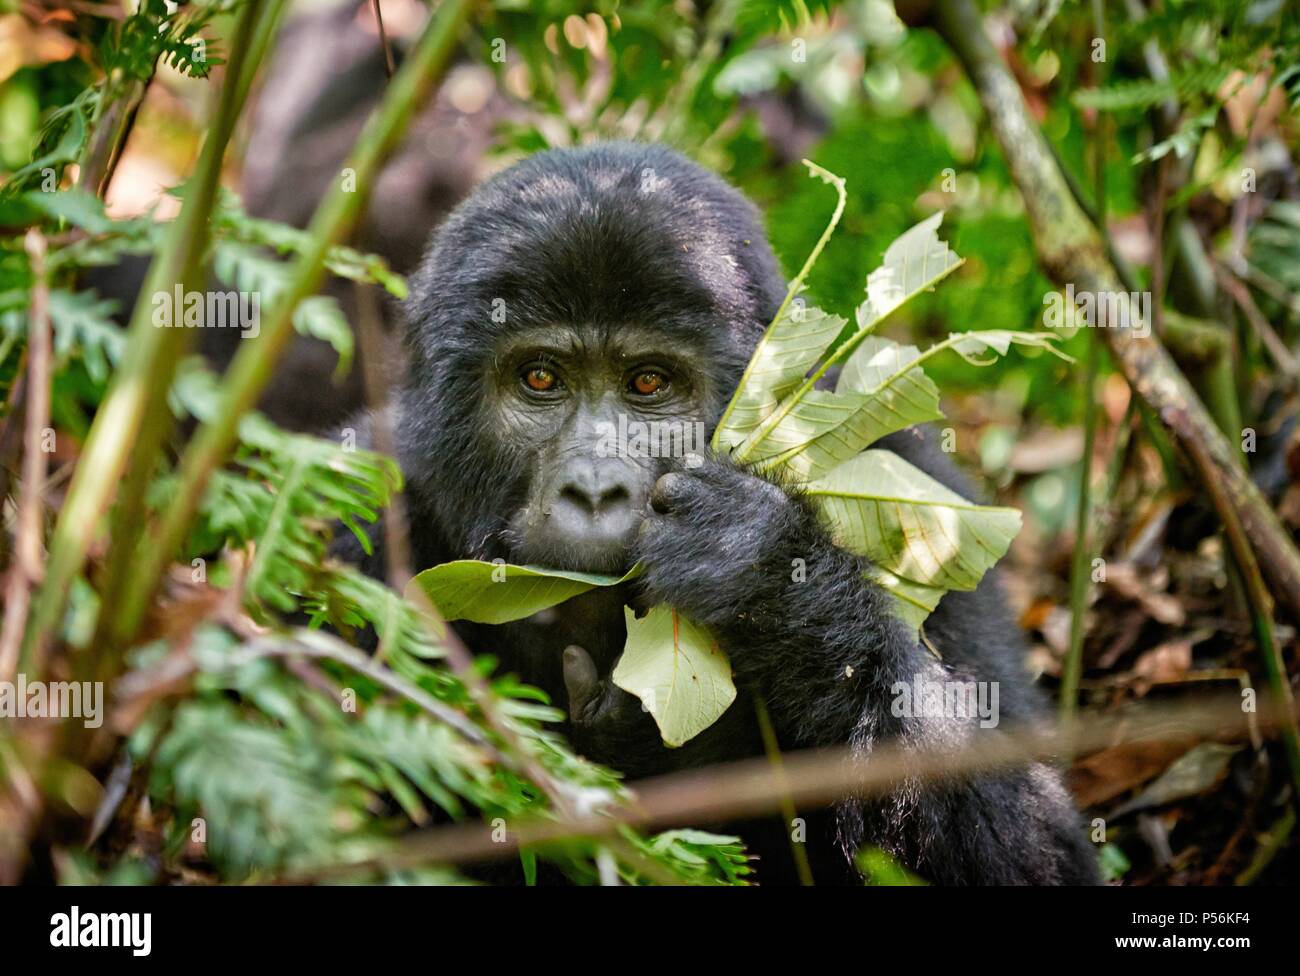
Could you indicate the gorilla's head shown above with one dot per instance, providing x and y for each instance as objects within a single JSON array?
[{"x": 576, "y": 326}]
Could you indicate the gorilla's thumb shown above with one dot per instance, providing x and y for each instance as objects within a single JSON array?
[{"x": 581, "y": 681}]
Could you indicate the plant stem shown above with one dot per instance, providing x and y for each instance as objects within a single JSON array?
[
  {"x": 141, "y": 381},
  {"x": 797, "y": 284},
  {"x": 25, "y": 571},
  {"x": 1072, "y": 667},
  {"x": 1080, "y": 563},
  {"x": 788, "y": 812},
  {"x": 249, "y": 45},
  {"x": 252, "y": 367}
]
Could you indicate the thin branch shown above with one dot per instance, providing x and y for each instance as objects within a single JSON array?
[
  {"x": 1277, "y": 349},
  {"x": 383, "y": 39},
  {"x": 813, "y": 778},
  {"x": 27, "y": 567}
]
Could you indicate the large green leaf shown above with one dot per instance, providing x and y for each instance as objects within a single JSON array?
[
  {"x": 790, "y": 348},
  {"x": 913, "y": 601},
  {"x": 817, "y": 412},
  {"x": 909, "y": 524},
  {"x": 881, "y": 390},
  {"x": 677, "y": 670},
  {"x": 913, "y": 263},
  {"x": 496, "y": 593}
]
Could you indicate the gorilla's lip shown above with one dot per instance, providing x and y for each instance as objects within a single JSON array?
[
  {"x": 604, "y": 554},
  {"x": 605, "y": 557}
]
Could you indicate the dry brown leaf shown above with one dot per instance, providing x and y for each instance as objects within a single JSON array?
[{"x": 1105, "y": 775}]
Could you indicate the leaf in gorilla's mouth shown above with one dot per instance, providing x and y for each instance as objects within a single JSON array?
[
  {"x": 685, "y": 690},
  {"x": 499, "y": 592}
]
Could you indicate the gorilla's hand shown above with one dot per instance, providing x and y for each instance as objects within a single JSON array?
[
  {"x": 606, "y": 723},
  {"x": 717, "y": 538}
]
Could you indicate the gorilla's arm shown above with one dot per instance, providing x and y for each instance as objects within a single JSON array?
[{"x": 824, "y": 650}]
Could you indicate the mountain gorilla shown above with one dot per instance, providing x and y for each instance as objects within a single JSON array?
[{"x": 623, "y": 281}]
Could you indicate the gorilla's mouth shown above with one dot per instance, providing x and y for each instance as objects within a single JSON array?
[{"x": 537, "y": 539}]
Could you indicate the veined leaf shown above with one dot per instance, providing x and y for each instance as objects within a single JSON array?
[
  {"x": 881, "y": 390},
  {"x": 912, "y": 601},
  {"x": 892, "y": 393},
  {"x": 677, "y": 670},
  {"x": 790, "y": 347},
  {"x": 915, "y": 262},
  {"x": 496, "y": 593},
  {"x": 969, "y": 345},
  {"x": 817, "y": 412},
  {"x": 909, "y": 524}
]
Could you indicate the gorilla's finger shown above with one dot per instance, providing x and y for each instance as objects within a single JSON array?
[
  {"x": 667, "y": 491},
  {"x": 580, "y": 680}
]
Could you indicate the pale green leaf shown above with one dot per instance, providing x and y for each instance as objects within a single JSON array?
[
  {"x": 817, "y": 412},
  {"x": 496, "y": 593},
  {"x": 677, "y": 670},
  {"x": 912, "y": 601},
  {"x": 972, "y": 346},
  {"x": 915, "y": 262},
  {"x": 909, "y": 524},
  {"x": 881, "y": 390},
  {"x": 792, "y": 346}
]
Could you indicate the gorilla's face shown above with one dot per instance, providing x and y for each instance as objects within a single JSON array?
[
  {"x": 575, "y": 324},
  {"x": 596, "y": 414}
]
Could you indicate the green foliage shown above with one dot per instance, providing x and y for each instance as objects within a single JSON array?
[
  {"x": 496, "y": 593},
  {"x": 149, "y": 35},
  {"x": 677, "y": 670},
  {"x": 265, "y": 747},
  {"x": 921, "y": 538},
  {"x": 880, "y": 870}
]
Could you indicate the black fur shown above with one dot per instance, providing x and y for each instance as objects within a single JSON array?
[{"x": 596, "y": 244}]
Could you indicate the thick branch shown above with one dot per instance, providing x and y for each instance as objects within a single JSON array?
[{"x": 1072, "y": 251}]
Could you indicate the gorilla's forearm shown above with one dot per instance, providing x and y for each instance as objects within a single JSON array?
[{"x": 819, "y": 641}]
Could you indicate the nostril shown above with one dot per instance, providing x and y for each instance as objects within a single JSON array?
[
  {"x": 579, "y": 497},
  {"x": 595, "y": 502},
  {"x": 615, "y": 495}
]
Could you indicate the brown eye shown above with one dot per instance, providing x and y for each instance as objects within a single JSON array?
[
  {"x": 539, "y": 379},
  {"x": 648, "y": 383}
]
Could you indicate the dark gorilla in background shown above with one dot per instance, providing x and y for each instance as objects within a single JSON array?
[{"x": 623, "y": 280}]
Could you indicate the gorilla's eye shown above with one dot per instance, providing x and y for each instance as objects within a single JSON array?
[
  {"x": 540, "y": 379},
  {"x": 648, "y": 383}
]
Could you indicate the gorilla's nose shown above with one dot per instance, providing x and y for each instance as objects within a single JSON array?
[
  {"x": 592, "y": 517},
  {"x": 595, "y": 490}
]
